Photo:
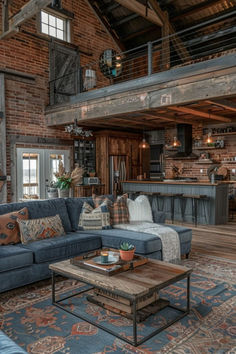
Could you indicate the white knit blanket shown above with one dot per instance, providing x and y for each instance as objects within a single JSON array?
[{"x": 168, "y": 236}]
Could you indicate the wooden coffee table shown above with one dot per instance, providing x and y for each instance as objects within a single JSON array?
[{"x": 132, "y": 285}]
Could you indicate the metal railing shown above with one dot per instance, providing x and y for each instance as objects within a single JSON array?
[{"x": 178, "y": 49}]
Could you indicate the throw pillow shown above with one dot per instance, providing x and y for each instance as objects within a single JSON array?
[
  {"x": 9, "y": 229},
  {"x": 39, "y": 229},
  {"x": 140, "y": 209},
  {"x": 94, "y": 218},
  {"x": 119, "y": 212}
]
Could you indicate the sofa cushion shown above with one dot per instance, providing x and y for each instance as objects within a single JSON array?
[
  {"x": 144, "y": 243},
  {"x": 14, "y": 256},
  {"x": 119, "y": 212},
  {"x": 62, "y": 247},
  {"x": 140, "y": 209},
  {"x": 7, "y": 346},
  {"x": 74, "y": 207},
  {"x": 38, "y": 229},
  {"x": 9, "y": 228},
  {"x": 40, "y": 209},
  {"x": 94, "y": 218}
]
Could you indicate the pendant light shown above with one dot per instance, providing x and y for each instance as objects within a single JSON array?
[
  {"x": 176, "y": 142},
  {"x": 144, "y": 144},
  {"x": 209, "y": 139}
]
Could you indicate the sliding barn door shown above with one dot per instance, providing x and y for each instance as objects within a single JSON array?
[{"x": 64, "y": 73}]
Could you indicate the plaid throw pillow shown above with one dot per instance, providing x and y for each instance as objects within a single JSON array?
[
  {"x": 39, "y": 229},
  {"x": 119, "y": 212},
  {"x": 94, "y": 219},
  {"x": 9, "y": 229}
]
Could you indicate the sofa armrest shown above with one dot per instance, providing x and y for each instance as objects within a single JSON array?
[
  {"x": 159, "y": 217},
  {"x": 7, "y": 346}
]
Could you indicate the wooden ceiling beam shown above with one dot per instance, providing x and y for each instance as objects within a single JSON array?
[
  {"x": 124, "y": 20},
  {"x": 196, "y": 112},
  {"x": 138, "y": 33},
  {"x": 141, "y": 9},
  {"x": 176, "y": 40},
  {"x": 106, "y": 24},
  {"x": 194, "y": 9},
  {"x": 27, "y": 11},
  {"x": 223, "y": 103},
  {"x": 166, "y": 117}
]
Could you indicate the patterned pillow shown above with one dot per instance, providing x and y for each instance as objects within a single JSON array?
[
  {"x": 119, "y": 212},
  {"x": 9, "y": 229},
  {"x": 94, "y": 219},
  {"x": 39, "y": 229}
]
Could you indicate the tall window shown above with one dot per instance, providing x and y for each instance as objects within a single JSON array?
[
  {"x": 55, "y": 26},
  {"x": 30, "y": 176}
]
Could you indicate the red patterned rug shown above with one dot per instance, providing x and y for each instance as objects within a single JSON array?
[{"x": 27, "y": 316}]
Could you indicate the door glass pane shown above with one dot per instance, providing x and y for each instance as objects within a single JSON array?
[
  {"x": 54, "y": 165},
  {"x": 30, "y": 176}
]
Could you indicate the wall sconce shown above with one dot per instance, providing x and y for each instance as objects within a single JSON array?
[
  {"x": 74, "y": 129},
  {"x": 176, "y": 142},
  {"x": 89, "y": 79},
  {"x": 56, "y": 4}
]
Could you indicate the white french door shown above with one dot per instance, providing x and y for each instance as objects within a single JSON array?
[{"x": 35, "y": 170}]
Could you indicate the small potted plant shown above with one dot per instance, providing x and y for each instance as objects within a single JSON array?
[
  {"x": 126, "y": 251},
  {"x": 52, "y": 190}
]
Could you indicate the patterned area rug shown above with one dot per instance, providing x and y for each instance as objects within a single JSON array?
[{"x": 27, "y": 316}]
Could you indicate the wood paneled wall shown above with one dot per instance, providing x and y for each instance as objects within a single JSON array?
[{"x": 117, "y": 143}]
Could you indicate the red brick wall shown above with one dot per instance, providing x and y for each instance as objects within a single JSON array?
[
  {"x": 191, "y": 168},
  {"x": 26, "y": 100}
]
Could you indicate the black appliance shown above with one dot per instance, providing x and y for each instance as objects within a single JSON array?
[{"x": 184, "y": 135}]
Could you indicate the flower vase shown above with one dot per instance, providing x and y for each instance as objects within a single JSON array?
[{"x": 63, "y": 193}]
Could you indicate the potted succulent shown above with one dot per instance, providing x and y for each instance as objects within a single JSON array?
[{"x": 126, "y": 251}]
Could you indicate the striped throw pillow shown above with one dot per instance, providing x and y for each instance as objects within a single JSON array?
[
  {"x": 39, "y": 229},
  {"x": 94, "y": 218},
  {"x": 119, "y": 212}
]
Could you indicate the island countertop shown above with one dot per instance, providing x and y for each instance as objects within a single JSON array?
[
  {"x": 179, "y": 182},
  {"x": 214, "y": 210}
]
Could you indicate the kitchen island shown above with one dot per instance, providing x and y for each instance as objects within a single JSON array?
[{"x": 213, "y": 210}]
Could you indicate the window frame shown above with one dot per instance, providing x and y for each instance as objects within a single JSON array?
[{"x": 66, "y": 25}]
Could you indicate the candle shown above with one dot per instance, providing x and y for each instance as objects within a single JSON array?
[{"x": 104, "y": 256}]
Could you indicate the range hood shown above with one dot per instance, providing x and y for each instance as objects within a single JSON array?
[{"x": 184, "y": 135}]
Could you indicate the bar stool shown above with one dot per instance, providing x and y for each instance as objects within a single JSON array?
[
  {"x": 196, "y": 199},
  {"x": 152, "y": 198},
  {"x": 173, "y": 197}
]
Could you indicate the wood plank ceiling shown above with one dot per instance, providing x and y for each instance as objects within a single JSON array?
[{"x": 203, "y": 112}]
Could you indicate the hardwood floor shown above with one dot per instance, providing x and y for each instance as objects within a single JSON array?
[{"x": 215, "y": 240}]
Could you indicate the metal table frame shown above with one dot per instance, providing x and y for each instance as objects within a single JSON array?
[{"x": 133, "y": 300}]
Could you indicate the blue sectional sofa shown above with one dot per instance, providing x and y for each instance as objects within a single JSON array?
[
  {"x": 7, "y": 346},
  {"x": 23, "y": 264}
]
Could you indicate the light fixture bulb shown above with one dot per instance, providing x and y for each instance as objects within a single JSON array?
[
  {"x": 176, "y": 142},
  {"x": 209, "y": 139},
  {"x": 144, "y": 144}
]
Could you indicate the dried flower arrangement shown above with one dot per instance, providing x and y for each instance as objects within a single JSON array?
[{"x": 67, "y": 179}]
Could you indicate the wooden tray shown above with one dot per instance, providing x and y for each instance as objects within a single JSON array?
[{"x": 86, "y": 261}]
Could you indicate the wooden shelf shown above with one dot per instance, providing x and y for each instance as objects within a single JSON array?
[
  {"x": 207, "y": 148},
  {"x": 222, "y": 134},
  {"x": 204, "y": 162},
  {"x": 228, "y": 161}
]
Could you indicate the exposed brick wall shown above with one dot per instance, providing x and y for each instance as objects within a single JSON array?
[
  {"x": 25, "y": 99},
  {"x": 190, "y": 168}
]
